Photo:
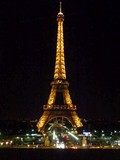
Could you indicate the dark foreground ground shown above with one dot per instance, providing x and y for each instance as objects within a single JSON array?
[{"x": 59, "y": 154}]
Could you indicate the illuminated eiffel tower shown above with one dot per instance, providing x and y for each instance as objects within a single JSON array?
[{"x": 59, "y": 104}]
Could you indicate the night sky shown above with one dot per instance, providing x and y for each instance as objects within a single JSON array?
[{"x": 28, "y": 33}]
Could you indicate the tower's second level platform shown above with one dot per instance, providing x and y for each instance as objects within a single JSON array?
[{"x": 59, "y": 107}]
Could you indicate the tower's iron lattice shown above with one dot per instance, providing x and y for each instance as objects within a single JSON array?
[{"x": 59, "y": 102}]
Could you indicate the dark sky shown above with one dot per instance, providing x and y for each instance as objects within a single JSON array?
[{"x": 27, "y": 55}]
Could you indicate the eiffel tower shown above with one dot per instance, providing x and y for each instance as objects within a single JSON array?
[{"x": 59, "y": 103}]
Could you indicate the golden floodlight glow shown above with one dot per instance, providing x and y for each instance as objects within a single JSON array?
[
  {"x": 60, "y": 72},
  {"x": 59, "y": 85}
]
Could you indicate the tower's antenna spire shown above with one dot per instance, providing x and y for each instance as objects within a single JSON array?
[{"x": 60, "y": 7}]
